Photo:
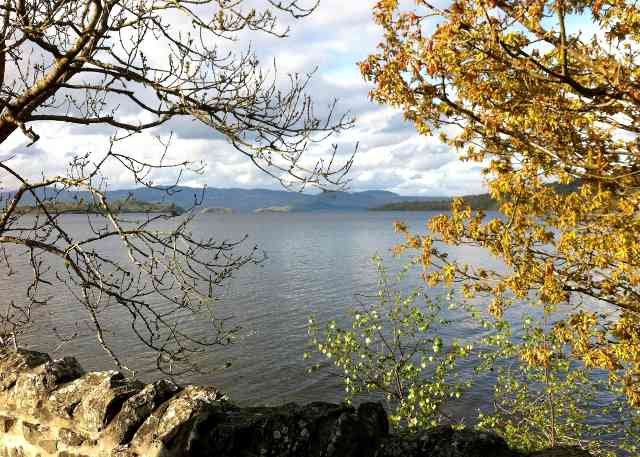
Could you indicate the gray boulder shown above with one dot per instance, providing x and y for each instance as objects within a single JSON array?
[
  {"x": 446, "y": 441},
  {"x": 562, "y": 451},
  {"x": 137, "y": 409},
  {"x": 12, "y": 363},
  {"x": 33, "y": 387},
  {"x": 174, "y": 426},
  {"x": 314, "y": 430},
  {"x": 92, "y": 400}
]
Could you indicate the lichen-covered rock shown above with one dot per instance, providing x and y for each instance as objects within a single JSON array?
[
  {"x": 561, "y": 451},
  {"x": 446, "y": 442},
  {"x": 352, "y": 433},
  {"x": 374, "y": 417},
  {"x": 33, "y": 387},
  {"x": 92, "y": 400},
  {"x": 6, "y": 424},
  {"x": 175, "y": 424},
  {"x": 14, "y": 452},
  {"x": 13, "y": 363},
  {"x": 65, "y": 400},
  {"x": 70, "y": 437},
  {"x": 32, "y": 432},
  {"x": 98, "y": 408},
  {"x": 49, "y": 409},
  {"x": 50, "y": 446},
  {"x": 70, "y": 454},
  {"x": 318, "y": 429},
  {"x": 40, "y": 436},
  {"x": 137, "y": 409},
  {"x": 59, "y": 371},
  {"x": 122, "y": 451}
]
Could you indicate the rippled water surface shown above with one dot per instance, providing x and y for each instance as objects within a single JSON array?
[{"x": 316, "y": 263}]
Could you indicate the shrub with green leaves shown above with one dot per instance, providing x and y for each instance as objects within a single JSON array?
[
  {"x": 398, "y": 344},
  {"x": 394, "y": 347},
  {"x": 560, "y": 402}
]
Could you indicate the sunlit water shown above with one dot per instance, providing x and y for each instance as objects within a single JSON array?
[{"x": 316, "y": 264}]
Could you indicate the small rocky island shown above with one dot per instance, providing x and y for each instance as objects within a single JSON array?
[
  {"x": 216, "y": 210},
  {"x": 124, "y": 205},
  {"x": 273, "y": 209},
  {"x": 53, "y": 408}
]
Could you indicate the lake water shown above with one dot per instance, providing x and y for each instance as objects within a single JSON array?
[{"x": 316, "y": 264}]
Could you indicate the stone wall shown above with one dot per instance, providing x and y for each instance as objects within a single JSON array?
[{"x": 53, "y": 408}]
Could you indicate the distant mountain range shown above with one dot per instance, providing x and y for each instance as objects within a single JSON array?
[
  {"x": 265, "y": 200},
  {"x": 248, "y": 200}
]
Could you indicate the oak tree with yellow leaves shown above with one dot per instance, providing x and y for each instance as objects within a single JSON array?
[{"x": 546, "y": 96}]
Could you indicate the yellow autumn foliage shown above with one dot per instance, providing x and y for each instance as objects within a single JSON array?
[{"x": 546, "y": 96}]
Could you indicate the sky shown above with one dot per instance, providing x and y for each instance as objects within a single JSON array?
[{"x": 391, "y": 155}]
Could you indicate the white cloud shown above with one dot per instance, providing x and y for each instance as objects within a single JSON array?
[{"x": 339, "y": 34}]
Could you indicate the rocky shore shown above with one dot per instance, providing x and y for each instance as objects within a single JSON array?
[{"x": 53, "y": 408}]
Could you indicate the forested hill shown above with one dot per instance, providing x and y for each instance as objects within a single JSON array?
[{"x": 479, "y": 201}]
